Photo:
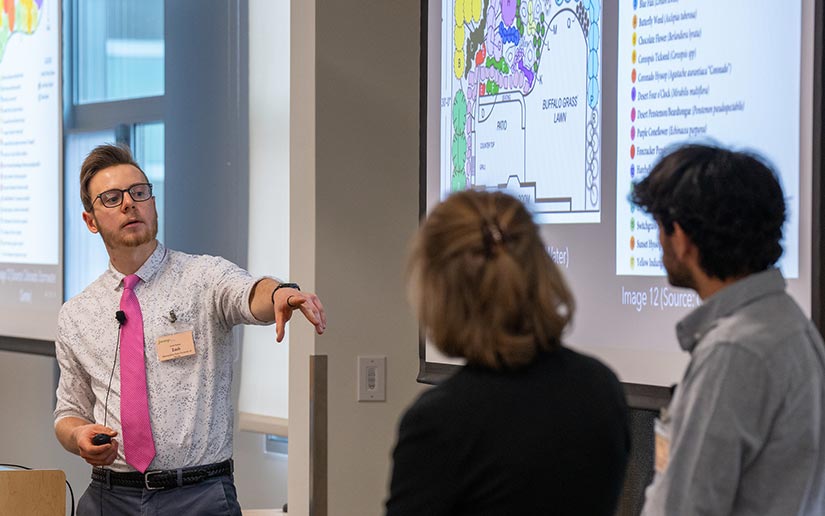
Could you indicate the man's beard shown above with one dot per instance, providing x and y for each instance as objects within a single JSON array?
[
  {"x": 680, "y": 276},
  {"x": 678, "y": 273},
  {"x": 118, "y": 239}
]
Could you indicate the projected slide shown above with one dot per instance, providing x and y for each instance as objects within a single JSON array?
[
  {"x": 28, "y": 137},
  {"x": 548, "y": 99},
  {"x": 30, "y": 121},
  {"x": 704, "y": 70},
  {"x": 520, "y": 103}
]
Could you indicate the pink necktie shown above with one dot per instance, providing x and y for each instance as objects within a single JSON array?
[{"x": 138, "y": 445}]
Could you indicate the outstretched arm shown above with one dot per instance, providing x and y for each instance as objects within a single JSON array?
[{"x": 269, "y": 305}]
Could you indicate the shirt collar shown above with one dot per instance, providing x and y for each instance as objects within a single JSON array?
[
  {"x": 700, "y": 321},
  {"x": 146, "y": 271}
]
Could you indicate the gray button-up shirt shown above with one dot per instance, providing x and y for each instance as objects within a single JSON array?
[
  {"x": 190, "y": 400},
  {"x": 747, "y": 427}
]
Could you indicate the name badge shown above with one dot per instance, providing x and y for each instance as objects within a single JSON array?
[
  {"x": 662, "y": 439},
  {"x": 175, "y": 346}
]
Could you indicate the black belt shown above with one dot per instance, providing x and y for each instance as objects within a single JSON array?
[{"x": 163, "y": 478}]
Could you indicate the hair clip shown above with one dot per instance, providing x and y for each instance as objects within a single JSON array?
[{"x": 492, "y": 235}]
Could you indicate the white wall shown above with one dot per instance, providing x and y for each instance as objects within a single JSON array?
[
  {"x": 261, "y": 479},
  {"x": 302, "y": 220},
  {"x": 367, "y": 178},
  {"x": 354, "y": 194},
  {"x": 264, "y": 384},
  {"x": 27, "y": 396}
]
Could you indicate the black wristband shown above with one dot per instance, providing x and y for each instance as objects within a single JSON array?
[{"x": 283, "y": 285}]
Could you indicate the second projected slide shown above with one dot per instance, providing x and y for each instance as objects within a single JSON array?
[
  {"x": 29, "y": 133},
  {"x": 30, "y": 169},
  {"x": 707, "y": 71},
  {"x": 520, "y": 103}
]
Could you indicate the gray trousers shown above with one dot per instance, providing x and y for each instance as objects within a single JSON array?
[{"x": 213, "y": 497}]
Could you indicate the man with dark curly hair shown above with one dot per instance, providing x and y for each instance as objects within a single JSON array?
[{"x": 745, "y": 432}]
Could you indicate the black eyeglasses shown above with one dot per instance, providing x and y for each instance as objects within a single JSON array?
[{"x": 138, "y": 192}]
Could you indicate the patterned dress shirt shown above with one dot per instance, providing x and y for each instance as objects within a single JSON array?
[{"x": 190, "y": 398}]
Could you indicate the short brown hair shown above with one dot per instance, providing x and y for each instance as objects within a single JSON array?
[
  {"x": 482, "y": 283},
  {"x": 103, "y": 156}
]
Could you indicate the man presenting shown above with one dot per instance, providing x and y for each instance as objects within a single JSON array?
[
  {"x": 745, "y": 432},
  {"x": 145, "y": 355}
]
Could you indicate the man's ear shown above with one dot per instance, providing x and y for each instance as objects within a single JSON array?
[
  {"x": 683, "y": 246},
  {"x": 90, "y": 221}
]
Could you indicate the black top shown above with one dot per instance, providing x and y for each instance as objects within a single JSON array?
[{"x": 551, "y": 438}]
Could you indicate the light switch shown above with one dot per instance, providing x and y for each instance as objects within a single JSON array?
[{"x": 372, "y": 378}]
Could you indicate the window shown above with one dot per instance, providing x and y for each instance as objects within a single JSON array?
[
  {"x": 147, "y": 147},
  {"x": 85, "y": 256},
  {"x": 117, "y": 87},
  {"x": 119, "y": 50}
]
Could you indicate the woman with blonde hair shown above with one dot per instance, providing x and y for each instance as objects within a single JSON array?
[{"x": 528, "y": 426}]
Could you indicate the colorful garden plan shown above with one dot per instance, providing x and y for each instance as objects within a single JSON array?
[{"x": 520, "y": 103}]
